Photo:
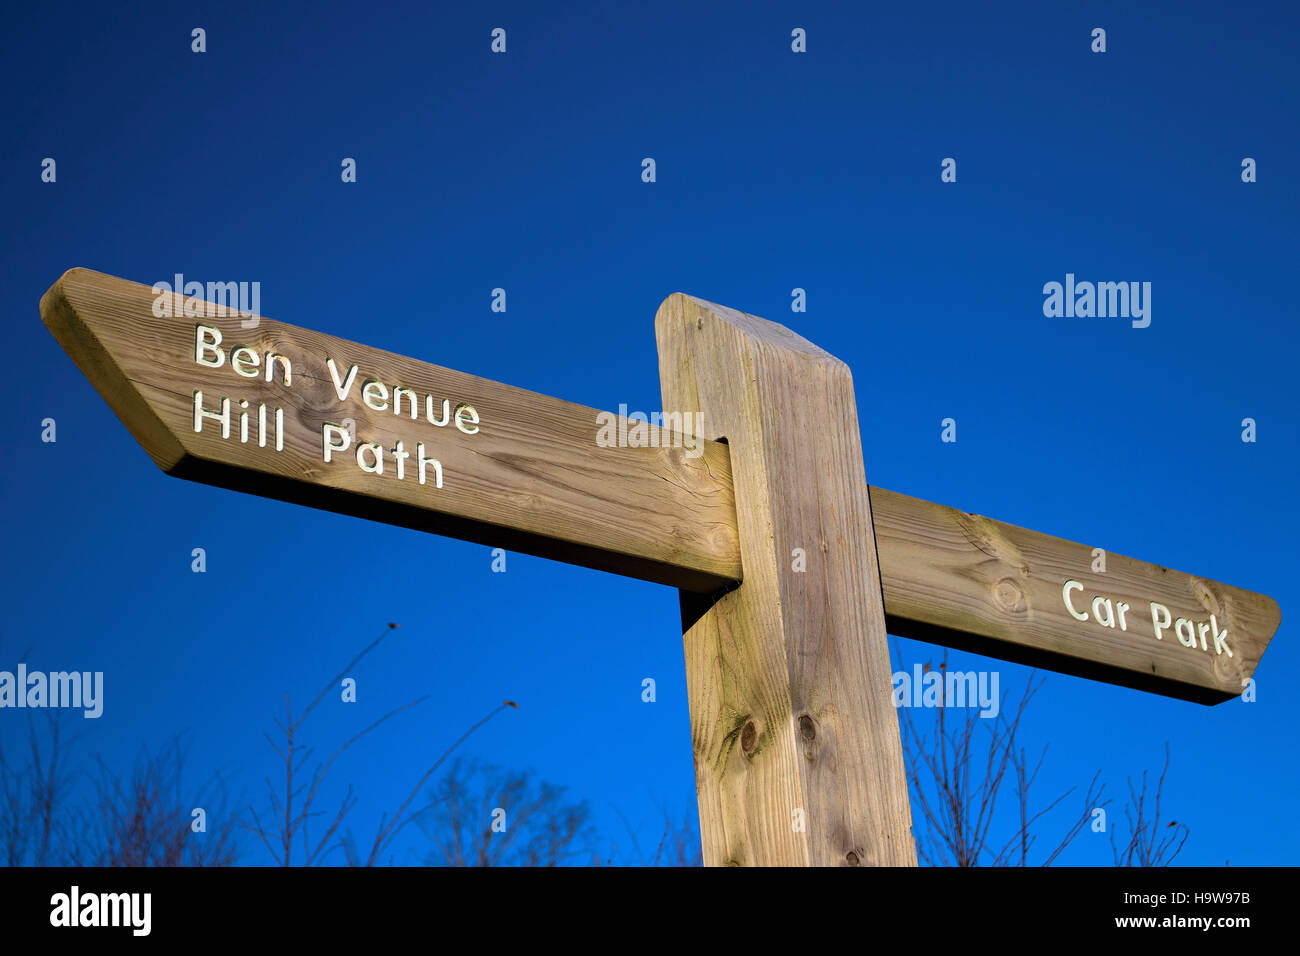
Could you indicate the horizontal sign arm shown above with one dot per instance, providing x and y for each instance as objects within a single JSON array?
[
  {"x": 962, "y": 580},
  {"x": 268, "y": 408},
  {"x": 264, "y": 407}
]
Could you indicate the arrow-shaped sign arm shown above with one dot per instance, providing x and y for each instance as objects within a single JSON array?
[
  {"x": 962, "y": 580},
  {"x": 257, "y": 405}
]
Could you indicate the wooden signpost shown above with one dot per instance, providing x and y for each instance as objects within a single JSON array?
[{"x": 750, "y": 498}]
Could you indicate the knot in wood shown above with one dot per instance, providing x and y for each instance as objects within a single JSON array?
[
  {"x": 748, "y": 735},
  {"x": 1009, "y": 596},
  {"x": 807, "y": 728}
]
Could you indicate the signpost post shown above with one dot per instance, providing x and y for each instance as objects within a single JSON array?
[{"x": 750, "y": 498}]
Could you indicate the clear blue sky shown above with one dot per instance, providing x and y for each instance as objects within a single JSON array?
[{"x": 775, "y": 170}]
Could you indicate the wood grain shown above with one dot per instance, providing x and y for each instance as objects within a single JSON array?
[
  {"x": 535, "y": 481},
  {"x": 532, "y": 480},
  {"x": 797, "y": 753},
  {"x": 959, "y": 579}
]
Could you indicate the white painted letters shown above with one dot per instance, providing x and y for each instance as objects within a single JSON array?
[{"x": 1110, "y": 613}]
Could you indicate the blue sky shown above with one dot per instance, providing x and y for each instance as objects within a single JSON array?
[{"x": 775, "y": 170}]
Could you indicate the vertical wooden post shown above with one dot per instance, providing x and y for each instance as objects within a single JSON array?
[{"x": 798, "y": 759}]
